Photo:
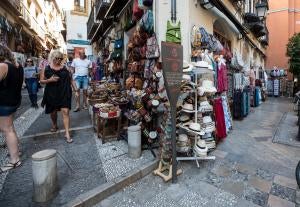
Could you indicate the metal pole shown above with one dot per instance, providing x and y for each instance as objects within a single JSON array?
[
  {"x": 174, "y": 153},
  {"x": 173, "y": 11}
]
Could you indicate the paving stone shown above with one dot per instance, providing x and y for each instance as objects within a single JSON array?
[
  {"x": 219, "y": 153},
  {"x": 222, "y": 171},
  {"x": 224, "y": 199},
  {"x": 275, "y": 201},
  {"x": 234, "y": 188},
  {"x": 260, "y": 184},
  {"x": 246, "y": 169},
  {"x": 194, "y": 199},
  {"x": 283, "y": 192},
  {"x": 255, "y": 196},
  {"x": 287, "y": 182},
  {"x": 297, "y": 197}
]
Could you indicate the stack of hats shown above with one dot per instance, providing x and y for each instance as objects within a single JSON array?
[
  {"x": 208, "y": 125},
  {"x": 205, "y": 107},
  {"x": 182, "y": 144},
  {"x": 201, "y": 148},
  {"x": 207, "y": 87},
  {"x": 210, "y": 141}
]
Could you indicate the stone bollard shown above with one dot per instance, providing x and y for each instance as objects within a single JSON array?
[
  {"x": 44, "y": 172},
  {"x": 134, "y": 142}
]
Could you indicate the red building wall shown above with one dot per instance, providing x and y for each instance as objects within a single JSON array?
[{"x": 283, "y": 21}]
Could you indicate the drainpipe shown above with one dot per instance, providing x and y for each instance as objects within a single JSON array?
[{"x": 173, "y": 11}]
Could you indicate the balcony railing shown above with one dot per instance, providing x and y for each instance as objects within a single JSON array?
[
  {"x": 31, "y": 21},
  {"x": 91, "y": 24},
  {"x": 101, "y": 8},
  {"x": 15, "y": 3}
]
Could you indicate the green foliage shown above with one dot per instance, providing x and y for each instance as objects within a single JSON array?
[{"x": 293, "y": 52}]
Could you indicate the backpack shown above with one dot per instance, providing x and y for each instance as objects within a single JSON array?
[
  {"x": 148, "y": 3},
  {"x": 196, "y": 37}
]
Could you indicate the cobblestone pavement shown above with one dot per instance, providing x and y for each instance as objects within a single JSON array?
[
  {"x": 82, "y": 165},
  {"x": 249, "y": 170}
]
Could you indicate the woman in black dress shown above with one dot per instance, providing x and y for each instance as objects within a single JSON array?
[{"x": 58, "y": 91}]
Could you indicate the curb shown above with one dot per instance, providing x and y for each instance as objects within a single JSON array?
[{"x": 105, "y": 190}]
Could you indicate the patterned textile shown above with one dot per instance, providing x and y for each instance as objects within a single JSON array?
[
  {"x": 222, "y": 78},
  {"x": 227, "y": 115}
]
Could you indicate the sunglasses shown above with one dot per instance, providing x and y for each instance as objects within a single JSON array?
[
  {"x": 29, "y": 61},
  {"x": 59, "y": 58}
]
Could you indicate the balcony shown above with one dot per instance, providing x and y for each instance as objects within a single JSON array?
[
  {"x": 250, "y": 17},
  {"x": 14, "y": 4},
  {"x": 25, "y": 15},
  {"x": 101, "y": 8},
  {"x": 92, "y": 25}
]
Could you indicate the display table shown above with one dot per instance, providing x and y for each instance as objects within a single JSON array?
[{"x": 108, "y": 128}]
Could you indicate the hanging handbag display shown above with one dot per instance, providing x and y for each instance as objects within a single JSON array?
[
  {"x": 152, "y": 48},
  {"x": 137, "y": 12},
  {"x": 134, "y": 82},
  {"x": 147, "y": 22}
]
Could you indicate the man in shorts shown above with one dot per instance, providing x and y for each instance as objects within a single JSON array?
[{"x": 82, "y": 68}]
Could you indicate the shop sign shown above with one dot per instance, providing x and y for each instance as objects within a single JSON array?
[{"x": 172, "y": 60}]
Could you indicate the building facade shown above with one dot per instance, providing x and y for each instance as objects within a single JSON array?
[
  {"x": 29, "y": 26},
  {"x": 235, "y": 22},
  {"x": 283, "y": 21},
  {"x": 76, "y": 20}
]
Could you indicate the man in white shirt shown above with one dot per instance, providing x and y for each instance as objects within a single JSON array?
[{"x": 81, "y": 67}]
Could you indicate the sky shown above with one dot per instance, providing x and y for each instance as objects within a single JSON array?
[{"x": 65, "y": 4}]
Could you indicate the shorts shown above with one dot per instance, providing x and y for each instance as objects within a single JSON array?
[
  {"x": 82, "y": 82},
  {"x": 8, "y": 110}
]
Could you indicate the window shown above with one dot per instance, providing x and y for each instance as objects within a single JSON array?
[
  {"x": 80, "y": 8},
  {"x": 250, "y": 6}
]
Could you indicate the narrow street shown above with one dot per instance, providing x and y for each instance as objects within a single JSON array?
[{"x": 250, "y": 170}]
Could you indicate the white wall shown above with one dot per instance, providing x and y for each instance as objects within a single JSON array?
[
  {"x": 77, "y": 25},
  {"x": 191, "y": 15}
]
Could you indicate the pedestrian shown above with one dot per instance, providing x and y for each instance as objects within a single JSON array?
[
  {"x": 82, "y": 68},
  {"x": 69, "y": 64},
  {"x": 31, "y": 81},
  {"x": 43, "y": 63},
  {"x": 11, "y": 80},
  {"x": 58, "y": 91}
]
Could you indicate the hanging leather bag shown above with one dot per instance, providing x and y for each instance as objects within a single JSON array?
[{"x": 152, "y": 48}]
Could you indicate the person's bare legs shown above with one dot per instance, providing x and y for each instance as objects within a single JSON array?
[
  {"x": 85, "y": 99},
  {"x": 53, "y": 116},
  {"x": 77, "y": 99},
  {"x": 7, "y": 127},
  {"x": 66, "y": 120}
]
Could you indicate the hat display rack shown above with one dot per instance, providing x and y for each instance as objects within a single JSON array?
[{"x": 190, "y": 145}]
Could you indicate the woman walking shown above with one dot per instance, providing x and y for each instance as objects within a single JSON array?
[
  {"x": 31, "y": 81},
  {"x": 58, "y": 91},
  {"x": 11, "y": 80}
]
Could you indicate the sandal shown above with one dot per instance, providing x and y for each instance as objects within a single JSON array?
[
  {"x": 85, "y": 107},
  {"x": 76, "y": 110},
  {"x": 54, "y": 129},
  {"x": 10, "y": 166},
  {"x": 69, "y": 140}
]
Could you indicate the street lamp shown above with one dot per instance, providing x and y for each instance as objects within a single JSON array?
[
  {"x": 206, "y": 4},
  {"x": 261, "y": 8}
]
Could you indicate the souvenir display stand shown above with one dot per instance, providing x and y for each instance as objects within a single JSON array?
[{"x": 197, "y": 134}]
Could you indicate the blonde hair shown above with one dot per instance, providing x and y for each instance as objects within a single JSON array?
[{"x": 55, "y": 54}]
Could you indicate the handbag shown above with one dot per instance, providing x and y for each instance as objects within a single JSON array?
[
  {"x": 196, "y": 37},
  {"x": 147, "y": 22},
  {"x": 173, "y": 33},
  {"x": 134, "y": 82},
  {"x": 152, "y": 48},
  {"x": 118, "y": 43},
  {"x": 134, "y": 67},
  {"x": 116, "y": 54},
  {"x": 137, "y": 12}
]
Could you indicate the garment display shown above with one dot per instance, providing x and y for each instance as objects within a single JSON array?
[
  {"x": 227, "y": 115},
  {"x": 220, "y": 119}
]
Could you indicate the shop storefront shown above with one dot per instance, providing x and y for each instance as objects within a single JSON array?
[{"x": 219, "y": 81}]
